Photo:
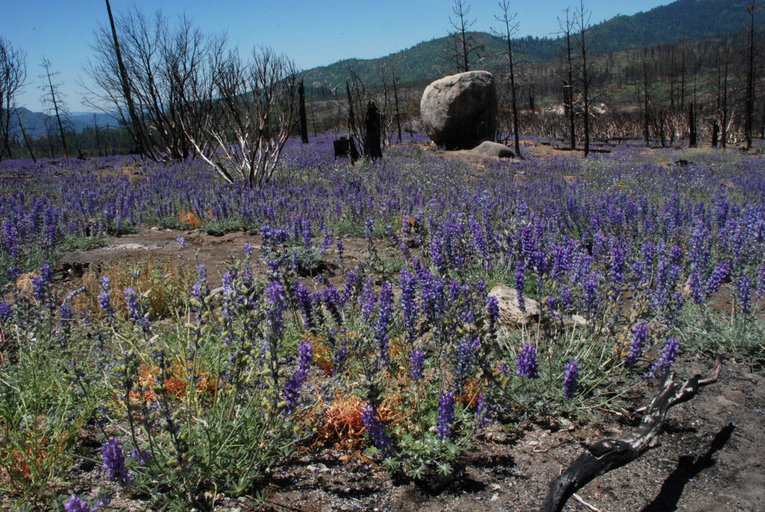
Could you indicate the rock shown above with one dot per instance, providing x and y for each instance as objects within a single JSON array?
[
  {"x": 495, "y": 149},
  {"x": 460, "y": 111},
  {"x": 509, "y": 312}
]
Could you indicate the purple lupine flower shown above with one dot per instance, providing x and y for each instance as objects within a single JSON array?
[
  {"x": 76, "y": 504},
  {"x": 11, "y": 235},
  {"x": 136, "y": 310},
  {"x": 352, "y": 286},
  {"x": 570, "y": 378},
  {"x": 671, "y": 348},
  {"x": 304, "y": 301},
  {"x": 180, "y": 242},
  {"x": 492, "y": 312},
  {"x": 65, "y": 315},
  {"x": 306, "y": 233},
  {"x": 103, "y": 297},
  {"x": 275, "y": 300},
  {"x": 199, "y": 291},
  {"x": 41, "y": 284},
  {"x": 437, "y": 252},
  {"x": 591, "y": 293},
  {"x": 416, "y": 364},
  {"x": 293, "y": 385},
  {"x": 409, "y": 303},
  {"x": 6, "y": 311},
  {"x": 637, "y": 345},
  {"x": 566, "y": 299},
  {"x": 384, "y": 317},
  {"x": 761, "y": 282},
  {"x": 445, "y": 415},
  {"x": 617, "y": 261},
  {"x": 40, "y": 289},
  {"x": 697, "y": 287},
  {"x": 744, "y": 294},
  {"x": 463, "y": 360},
  {"x": 519, "y": 284},
  {"x": 114, "y": 462},
  {"x": 527, "y": 242},
  {"x": 482, "y": 410},
  {"x": 368, "y": 299},
  {"x": 143, "y": 457},
  {"x": 526, "y": 364},
  {"x": 340, "y": 247},
  {"x": 369, "y": 227},
  {"x": 718, "y": 276},
  {"x": 480, "y": 239},
  {"x": 247, "y": 249},
  {"x": 331, "y": 299},
  {"x": 375, "y": 428}
]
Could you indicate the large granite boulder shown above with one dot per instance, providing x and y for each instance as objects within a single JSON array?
[{"x": 460, "y": 111}]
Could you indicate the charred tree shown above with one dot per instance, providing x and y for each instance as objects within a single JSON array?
[
  {"x": 583, "y": 25},
  {"x": 682, "y": 80},
  {"x": 26, "y": 139},
  {"x": 749, "y": 107},
  {"x": 137, "y": 130},
  {"x": 301, "y": 113},
  {"x": 568, "y": 84},
  {"x": 372, "y": 134},
  {"x": 395, "y": 100},
  {"x": 510, "y": 27},
  {"x": 646, "y": 112},
  {"x": 53, "y": 97},
  {"x": 724, "y": 104},
  {"x": 465, "y": 43},
  {"x": 351, "y": 113},
  {"x": 692, "y": 125}
]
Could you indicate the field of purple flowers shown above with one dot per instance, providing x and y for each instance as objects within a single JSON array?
[{"x": 400, "y": 357}]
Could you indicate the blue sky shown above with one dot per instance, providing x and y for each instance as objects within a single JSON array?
[{"x": 312, "y": 33}]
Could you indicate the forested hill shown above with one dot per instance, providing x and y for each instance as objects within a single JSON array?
[{"x": 680, "y": 20}]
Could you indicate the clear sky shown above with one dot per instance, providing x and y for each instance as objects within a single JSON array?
[{"x": 311, "y": 32}]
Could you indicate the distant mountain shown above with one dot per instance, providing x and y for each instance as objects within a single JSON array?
[
  {"x": 36, "y": 123},
  {"x": 426, "y": 61}
]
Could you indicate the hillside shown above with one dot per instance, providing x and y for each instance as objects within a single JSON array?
[
  {"x": 36, "y": 123},
  {"x": 422, "y": 63}
]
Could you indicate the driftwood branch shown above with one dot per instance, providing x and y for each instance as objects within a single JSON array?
[{"x": 604, "y": 456}]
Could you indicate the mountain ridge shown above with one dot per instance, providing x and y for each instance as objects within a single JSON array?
[{"x": 426, "y": 61}]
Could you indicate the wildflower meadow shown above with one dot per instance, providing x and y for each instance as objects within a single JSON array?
[{"x": 358, "y": 321}]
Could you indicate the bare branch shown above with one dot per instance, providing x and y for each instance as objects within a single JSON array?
[{"x": 609, "y": 454}]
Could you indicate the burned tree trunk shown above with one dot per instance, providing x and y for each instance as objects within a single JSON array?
[
  {"x": 26, "y": 139},
  {"x": 692, "y": 125},
  {"x": 749, "y": 106},
  {"x": 372, "y": 133},
  {"x": 610, "y": 454},
  {"x": 398, "y": 112},
  {"x": 646, "y": 117},
  {"x": 137, "y": 130},
  {"x": 301, "y": 113}
]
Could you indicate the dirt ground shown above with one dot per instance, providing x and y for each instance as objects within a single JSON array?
[{"x": 710, "y": 456}]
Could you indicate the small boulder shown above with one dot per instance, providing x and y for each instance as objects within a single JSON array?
[
  {"x": 460, "y": 111},
  {"x": 510, "y": 313},
  {"x": 495, "y": 149}
]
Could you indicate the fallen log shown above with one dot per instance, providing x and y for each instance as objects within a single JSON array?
[{"x": 608, "y": 454}]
